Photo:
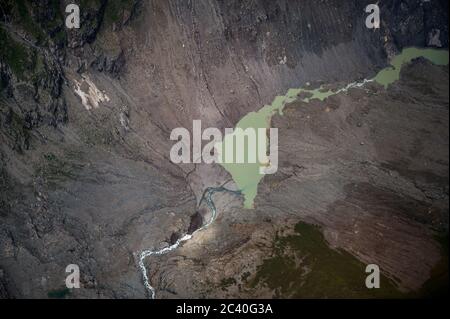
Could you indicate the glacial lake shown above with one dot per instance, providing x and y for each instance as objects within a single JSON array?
[{"x": 247, "y": 176}]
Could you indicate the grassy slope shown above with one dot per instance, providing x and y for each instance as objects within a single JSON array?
[{"x": 304, "y": 266}]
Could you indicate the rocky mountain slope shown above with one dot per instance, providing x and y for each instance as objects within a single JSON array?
[{"x": 86, "y": 115}]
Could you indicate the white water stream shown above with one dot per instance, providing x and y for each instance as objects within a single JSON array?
[{"x": 207, "y": 196}]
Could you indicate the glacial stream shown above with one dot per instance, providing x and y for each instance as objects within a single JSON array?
[
  {"x": 207, "y": 196},
  {"x": 247, "y": 175}
]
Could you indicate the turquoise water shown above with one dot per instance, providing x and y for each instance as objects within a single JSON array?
[{"x": 247, "y": 175}]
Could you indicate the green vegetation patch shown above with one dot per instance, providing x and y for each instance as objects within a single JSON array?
[
  {"x": 58, "y": 293},
  {"x": 26, "y": 63},
  {"x": 26, "y": 20},
  {"x": 115, "y": 10},
  {"x": 39, "y": 22},
  {"x": 90, "y": 4},
  {"x": 227, "y": 282},
  {"x": 17, "y": 130},
  {"x": 304, "y": 266},
  {"x": 437, "y": 285},
  {"x": 56, "y": 170},
  {"x": 17, "y": 56}
]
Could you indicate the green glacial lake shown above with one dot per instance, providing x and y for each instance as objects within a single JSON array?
[
  {"x": 391, "y": 74},
  {"x": 247, "y": 176}
]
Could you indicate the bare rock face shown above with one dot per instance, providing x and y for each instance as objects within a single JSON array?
[{"x": 86, "y": 115}]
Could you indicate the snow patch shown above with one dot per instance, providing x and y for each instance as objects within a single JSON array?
[{"x": 90, "y": 95}]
